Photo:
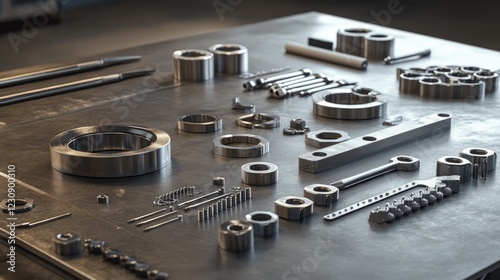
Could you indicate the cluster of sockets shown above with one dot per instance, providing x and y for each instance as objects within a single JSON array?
[
  {"x": 408, "y": 204},
  {"x": 223, "y": 204},
  {"x": 452, "y": 81},
  {"x": 172, "y": 196},
  {"x": 129, "y": 263}
]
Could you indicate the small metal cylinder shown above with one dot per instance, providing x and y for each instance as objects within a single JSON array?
[
  {"x": 430, "y": 87},
  {"x": 224, "y": 203},
  {"x": 259, "y": 173},
  {"x": 409, "y": 83},
  {"x": 102, "y": 198},
  {"x": 206, "y": 216},
  {"x": 193, "y": 65},
  {"x": 378, "y": 46},
  {"x": 243, "y": 195},
  {"x": 216, "y": 210},
  {"x": 351, "y": 40},
  {"x": 490, "y": 80},
  {"x": 68, "y": 244},
  {"x": 201, "y": 216},
  {"x": 210, "y": 211},
  {"x": 234, "y": 201},
  {"x": 219, "y": 206},
  {"x": 238, "y": 198},
  {"x": 230, "y": 58},
  {"x": 248, "y": 193},
  {"x": 265, "y": 223},
  {"x": 236, "y": 236}
]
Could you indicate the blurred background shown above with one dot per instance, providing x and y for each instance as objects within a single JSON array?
[{"x": 42, "y": 31}]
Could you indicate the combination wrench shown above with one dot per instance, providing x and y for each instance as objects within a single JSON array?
[{"x": 399, "y": 163}]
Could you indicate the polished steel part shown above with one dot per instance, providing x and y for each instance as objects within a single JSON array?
[
  {"x": 199, "y": 123},
  {"x": 347, "y": 104},
  {"x": 337, "y": 84},
  {"x": 454, "y": 77},
  {"x": 237, "y": 105},
  {"x": 264, "y": 223},
  {"x": 409, "y": 83},
  {"x": 399, "y": 163},
  {"x": 450, "y": 165},
  {"x": 259, "y": 173},
  {"x": 262, "y": 82},
  {"x": 378, "y": 46},
  {"x": 408, "y": 57},
  {"x": 293, "y": 207},
  {"x": 230, "y": 58},
  {"x": 67, "y": 244},
  {"x": 258, "y": 120},
  {"x": 102, "y": 198},
  {"x": 450, "y": 181},
  {"x": 483, "y": 160},
  {"x": 189, "y": 207},
  {"x": 20, "y": 205},
  {"x": 236, "y": 236},
  {"x": 157, "y": 217},
  {"x": 490, "y": 80},
  {"x": 326, "y": 55},
  {"x": 110, "y": 151},
  {"x": 257, "y": 145},
  {"x": 219, "y": 191},
  {"x": 258, "y": 73},
  {"x": 32, "y": 224},
  {"x": 193, "y": 65},
  {"x": 293, "y": 81},
  {"x": 361, "y": 147},
  {"x": 297, "y": 126},
  {"x": 179, "y": 218},
  {"x": 381, "y": 216},
  {"x": 322, "y": 195},
  {"x": 326, "y": 137},
  {"x": 352, "y": 40},
  {"x": 147, "y": 215}
]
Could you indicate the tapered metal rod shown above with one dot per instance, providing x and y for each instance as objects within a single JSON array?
[
  {"x": 156, "y": 218},
  {"x": 146, "y": 215},
  {"x": 28, "y": 224}
]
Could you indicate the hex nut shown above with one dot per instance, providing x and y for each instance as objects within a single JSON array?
[
  {"x": 325, "y": 138},
  {"x": 475, "y": 156},
  {"x": 103, "y": 199},
  {"x": 450, "y": 165},
  {"x": 293, "y": 207},
  {"x": 322, "y": 195},
  {"x": 68, "y": 244}
]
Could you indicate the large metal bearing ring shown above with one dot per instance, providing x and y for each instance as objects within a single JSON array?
[
  {"x": 230, "y": 58},
  {"x": 199, "y": 123},
  {"x": 193, "y": 65},
  {"x": 110, "y": 151},
  {"x": 259, "y": 173},
  {"x": 259, "y": 145},
  {"x": 450, "y": 165},
  {"x": 293, "y": 207},
  {"x": 236, "y": 236},
  {"x": 347, "y": 104},
  {"x": 322, "y": 195},
  {"x": 477, "y": 155},
  {"x": 68, "y": 244},
  {"x": 264, "y": 223}
]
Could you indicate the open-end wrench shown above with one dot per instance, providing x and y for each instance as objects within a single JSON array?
[{"x": 399, "y": 163}]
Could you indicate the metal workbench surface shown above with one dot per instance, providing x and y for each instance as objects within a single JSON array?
[{"x": 454, "y": 239}]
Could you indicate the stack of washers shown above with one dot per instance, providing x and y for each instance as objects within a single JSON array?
[
  {"x": 200, "y": 65},
  {"x": 365, "y": 43},
  {"x": 448, "y": 82}
]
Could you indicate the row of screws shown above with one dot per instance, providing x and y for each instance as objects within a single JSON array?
[
  {"x": 224, "y": 204},
  {"x": 409, "y": 204}
]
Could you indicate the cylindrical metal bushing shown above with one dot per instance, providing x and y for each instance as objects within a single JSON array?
[
  {"x": 236, "y": 236},
  {"x": 259, "y": 173},
  {"x": 264, "y": 223},
  {"x": 293, "y": 207},
  {"x": 258, "y": 145},
  {"x": 193, "y": 65},
  {"x": 199, "y": 123},
  {"x": 441, "y": 72},
  {"x": 470, "y": 70},
  {"x": 450, "y": 165},
  {"x": 378, "y": 46},
  {"x": 471, "y": 89},
  {"x": 455, "y": 77},
  {"x": 430, "y": 87},
  {"x": 322, "y": 195},
  {"x": 351, "y": 40},
  {"x": 490, "y": 80},
  {"x": 409, "y": 83},
  {"x": 68, "y": 244},
  {"x": 230, "y": 58},
  {"x": 110, "y": 151},
  {"x": 477, "y": 155}
]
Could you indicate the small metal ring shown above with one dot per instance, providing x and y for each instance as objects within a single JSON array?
[
  {"x": 110, "y": 151},
  {"x": 258, "y": 120},
  {"x": 322, "y": 195},
  {"x": 346, "y": 104},
  {"x": 259, "y": 173},
  {"x": 20, "y": 205},
  {"x": 293, "y": 207},
  {"x": 258, "y": 145},
  {"x": 199, "y": 123},
  {"x": 264, "y": 223}
]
